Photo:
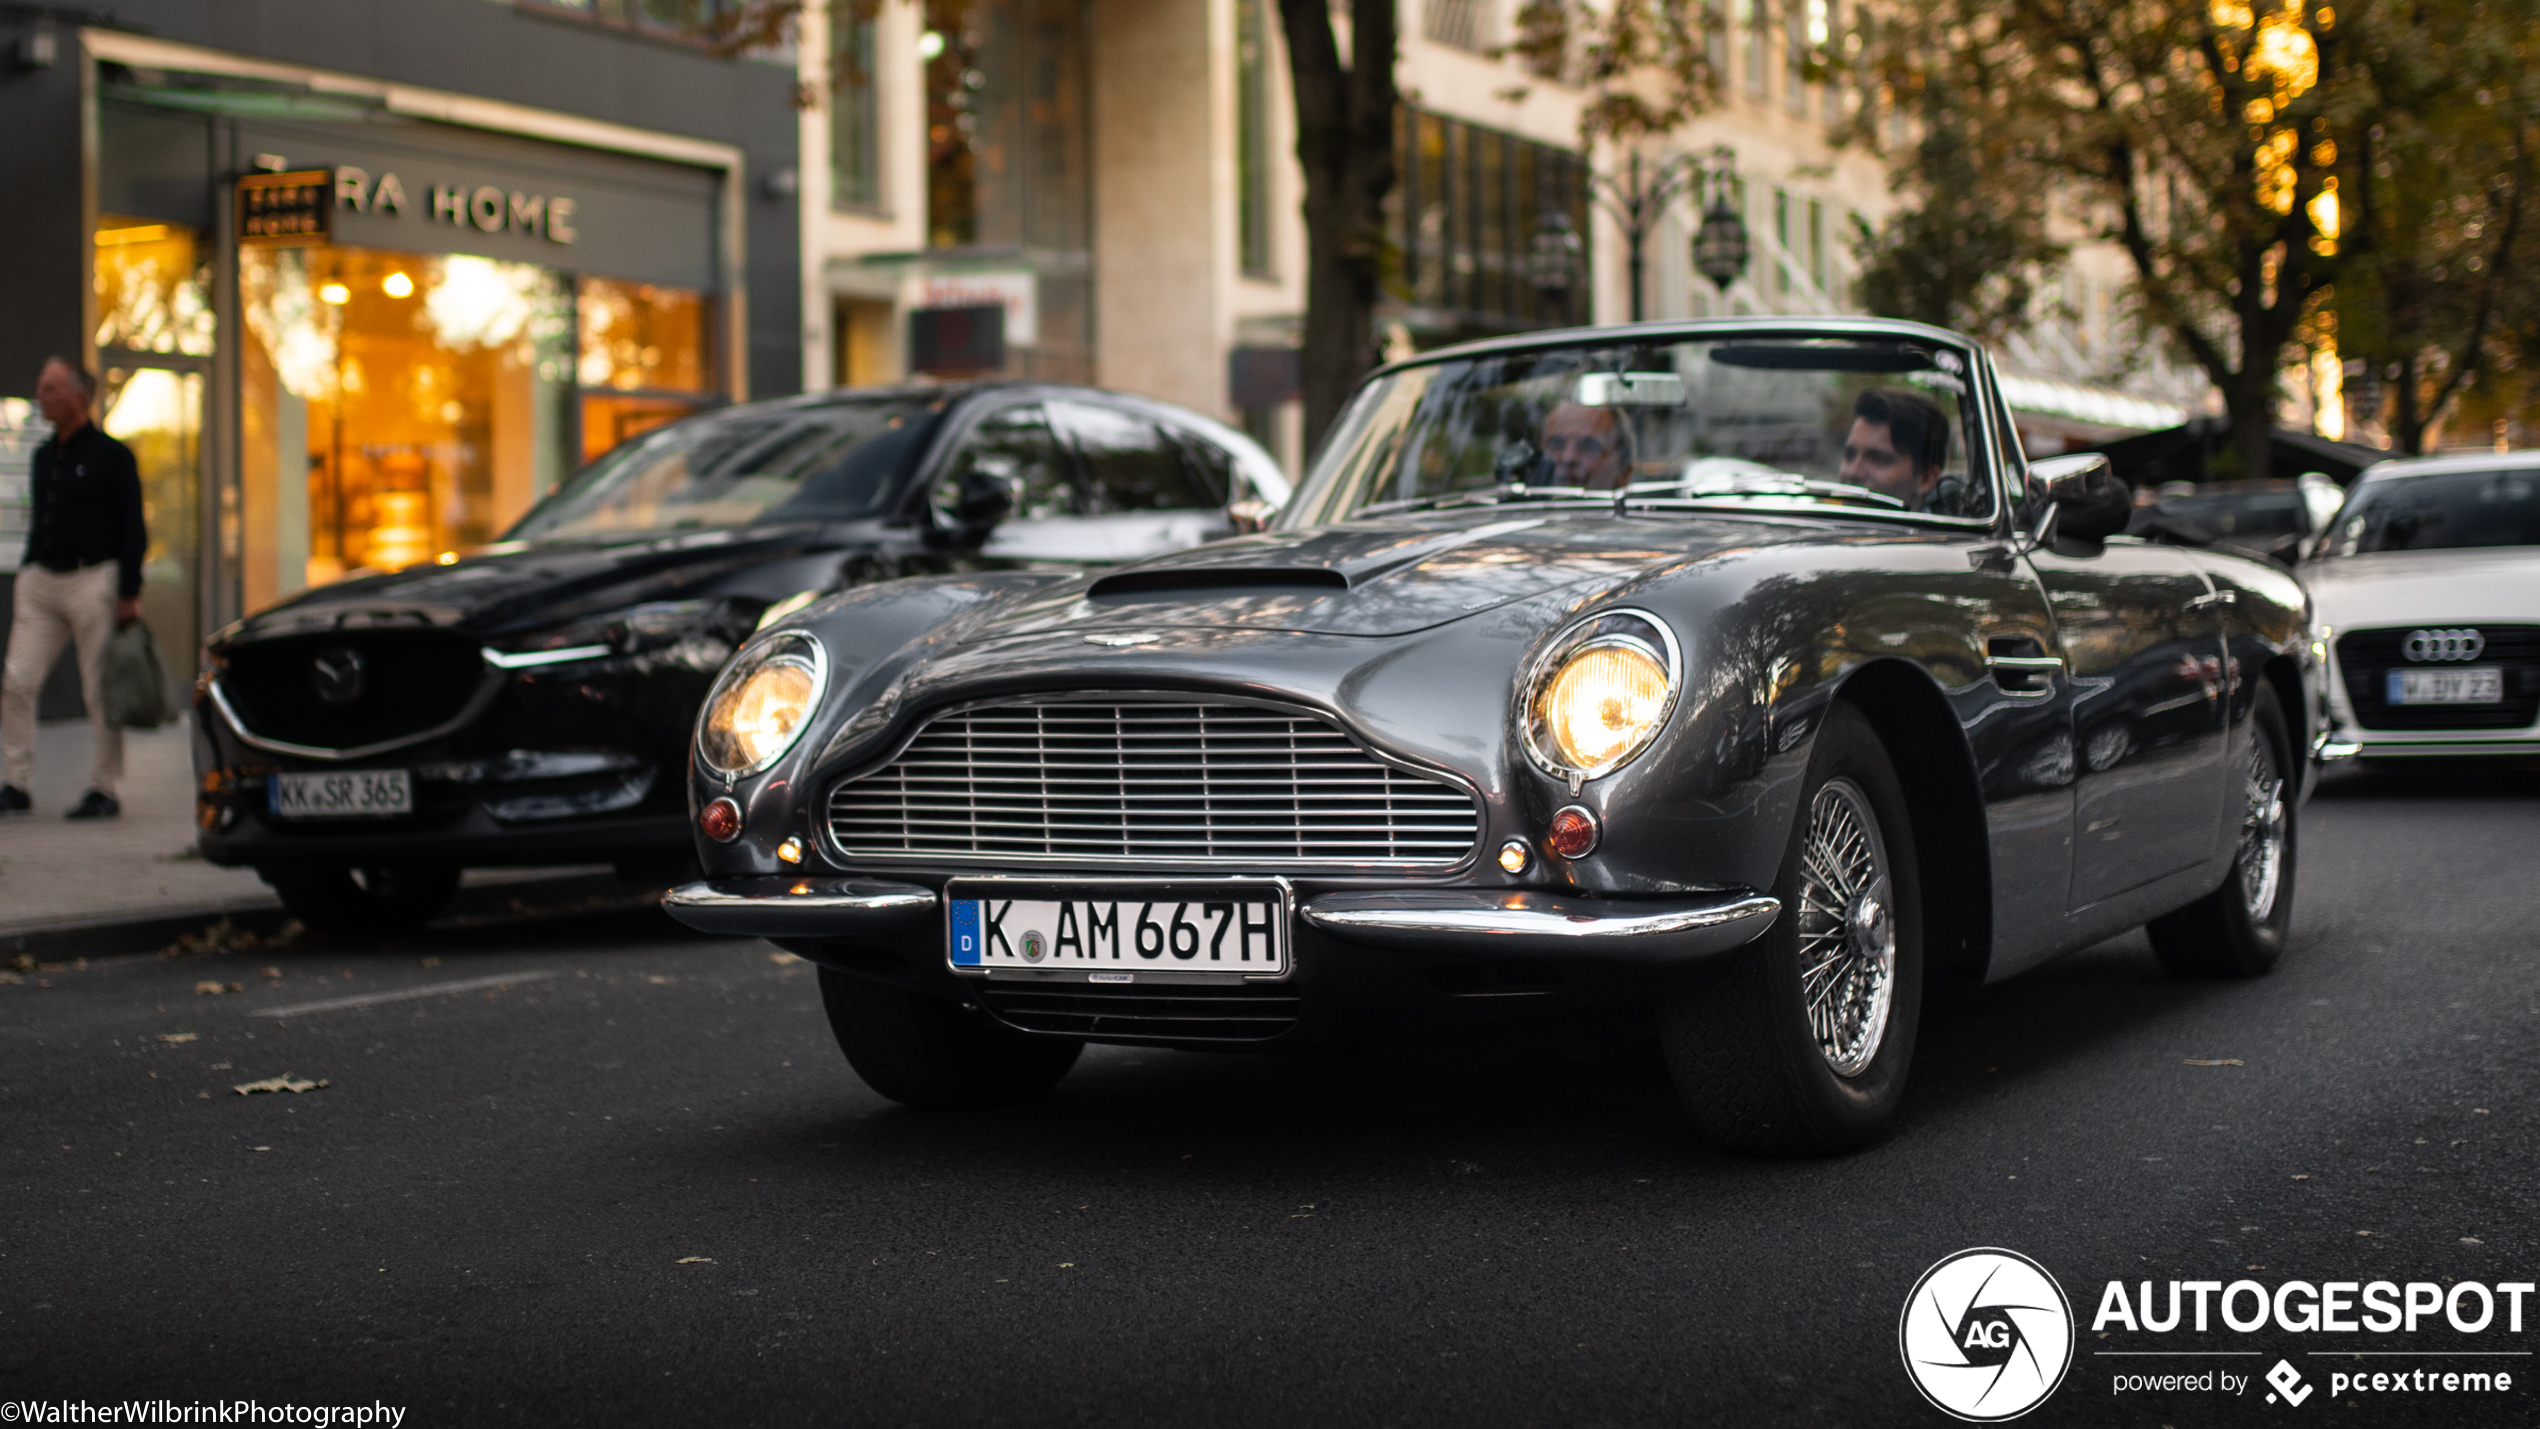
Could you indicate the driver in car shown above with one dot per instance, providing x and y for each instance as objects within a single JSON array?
[
  {"x": 1897, "y": 446},
  {"x": 1587, "y": 446}
]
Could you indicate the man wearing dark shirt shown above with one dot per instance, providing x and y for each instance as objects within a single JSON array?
[{"x": 81, "y": 579}]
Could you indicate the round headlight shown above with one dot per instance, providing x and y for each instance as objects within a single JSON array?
[
  {"x": 761, "y": 704},
  {"x": 1602, "y": 695}
]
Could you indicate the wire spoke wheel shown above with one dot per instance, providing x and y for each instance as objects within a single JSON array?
[
  {"x": 1847, "y": 932},
  {"x": 2261, "y": 833}
]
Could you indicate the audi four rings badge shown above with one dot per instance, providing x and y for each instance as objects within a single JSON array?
[{"x": 2444, "y": 644}]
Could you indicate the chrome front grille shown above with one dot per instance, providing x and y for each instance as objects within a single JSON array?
[{"x": 1138, "y": 782}]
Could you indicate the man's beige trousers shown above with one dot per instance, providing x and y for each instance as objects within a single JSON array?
[{"x": 50, "y": 609}]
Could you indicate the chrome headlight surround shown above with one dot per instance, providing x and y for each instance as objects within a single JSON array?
[
  {"x": 795, "y": 649},
  {"x": 1621, "y": 628}
]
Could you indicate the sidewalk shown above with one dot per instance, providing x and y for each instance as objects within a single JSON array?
[{"x": 57, "y": 875}]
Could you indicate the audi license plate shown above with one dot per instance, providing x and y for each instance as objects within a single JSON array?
[
  {"x": 2477, "y": 685},
  {"x": 353, "y": 794},
  {"x": 1167, "y": 931}
]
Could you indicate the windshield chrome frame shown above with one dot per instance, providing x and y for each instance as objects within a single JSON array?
[{"x": 1983, "y": 390}]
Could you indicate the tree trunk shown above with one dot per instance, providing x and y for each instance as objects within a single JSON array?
[
  {"x": 2408, "y": 417},
  {"x": 1344, "y": 143}
]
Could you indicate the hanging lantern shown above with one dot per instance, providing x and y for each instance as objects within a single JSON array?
[{"x": 1720, "y": 248}]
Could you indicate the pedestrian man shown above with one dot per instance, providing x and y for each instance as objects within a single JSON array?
[{"x": 80, "y": 580}]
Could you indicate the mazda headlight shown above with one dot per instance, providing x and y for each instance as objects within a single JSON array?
[
  {"x": 1602, "y": 693},
  {"x": 761, "y": 703}
]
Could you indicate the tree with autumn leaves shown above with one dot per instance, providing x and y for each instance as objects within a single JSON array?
[{"x": 2280, "y": 174}]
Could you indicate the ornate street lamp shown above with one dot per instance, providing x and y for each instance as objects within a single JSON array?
[
  {"x": 1720, "y": 248},
  {"x": 1553, "y": 263}
]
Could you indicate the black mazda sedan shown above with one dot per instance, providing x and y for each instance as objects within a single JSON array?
[
  {"x": 1721, "y": 685},
  {"x": 532, "y": 703}
]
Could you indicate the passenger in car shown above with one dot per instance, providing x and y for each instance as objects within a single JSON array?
[
  {"x": 1587, "y": 446},
  {"x": 1898, "y": 444}
]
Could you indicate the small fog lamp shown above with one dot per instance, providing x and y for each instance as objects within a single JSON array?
[
  {"x": 1514, "y": 856},
  {"x": 1572, "y": 832},
  {"x": 720, "y": 821},
  {"x": 790, "y": 851}
]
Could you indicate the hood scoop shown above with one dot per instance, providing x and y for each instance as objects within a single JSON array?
[{"x": 1169, "y": 578}]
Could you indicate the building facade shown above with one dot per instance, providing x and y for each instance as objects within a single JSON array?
[
  {"x": 362, "y": 281},
  {"x": 1117, "y": 179}
]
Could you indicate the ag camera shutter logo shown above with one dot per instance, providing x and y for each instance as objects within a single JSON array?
[{"x": 1986, "y": 1335}]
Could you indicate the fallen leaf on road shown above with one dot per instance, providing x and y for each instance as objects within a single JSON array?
[
  {"x": 2472, "y": 1240},
  {"x": 2363, "y": 1232},
  {"x": 176, "y": 1036},
  {"x": 655, "y": 977},
  {"x": 781, "y": 958},
  {"x": 8, "y": 979},
  {"x": 696, "y": 1260},
  {"x": 260, "y": 1148},
  {"x": 2301, "y": 1178},
  {"x": 2218, "y": 1062},
  {"x": 284, "y": 1083},
  {"x": 224, "y": 936},
  {"x": 432, "y": 962}
]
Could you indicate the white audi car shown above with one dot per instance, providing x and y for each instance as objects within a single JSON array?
[{"x": 2426, "y": 599}]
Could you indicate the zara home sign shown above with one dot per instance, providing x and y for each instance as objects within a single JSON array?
[{"x": 485, "y": 207}]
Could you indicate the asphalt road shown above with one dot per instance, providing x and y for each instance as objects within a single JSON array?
[{"x": 639, "y": 1186}]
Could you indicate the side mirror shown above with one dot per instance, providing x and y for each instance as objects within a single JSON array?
[
  {"x": 969, "y": 506},
  {"x": 2089, "y": 503},
  {"x": 1250, "y": 514}
]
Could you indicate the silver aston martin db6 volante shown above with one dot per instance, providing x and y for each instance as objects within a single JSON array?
[{"x": 1720, "y": 684}]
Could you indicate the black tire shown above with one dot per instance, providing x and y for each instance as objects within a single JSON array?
[
  {"x": 1748, "y": 1064},
  {"x": 2236, "y": 931},
  {"x": 934, "y": 1053},
  {"x": 364, "y": 904}
]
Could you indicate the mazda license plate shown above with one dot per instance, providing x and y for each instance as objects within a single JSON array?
[
  {"x": 2476, "y": 685},
  {"x": 1172, "y": 930},
  {"x": 353, "y": 794}
]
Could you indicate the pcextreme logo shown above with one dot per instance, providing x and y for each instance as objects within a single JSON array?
[{"x": 1986, "y": 1335}]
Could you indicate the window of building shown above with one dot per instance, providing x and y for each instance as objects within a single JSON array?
[
  {"x": 1464, "y": 218},
  {"x": 1779, "y": 260},
  {"x": 1795, "y": 53},
  {"x": 1008, "y": 162},
  {"x": 1252, "y": 134},
  {"x": 1463, "y": 24},
  {"x": 855, "y": 140},
  {"x": 644, "y": 358},
  {"x": 1750, "y": 21},
  {"x": 153, "y": 287}
]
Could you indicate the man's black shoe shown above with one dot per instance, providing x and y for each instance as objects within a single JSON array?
[
  {"x": 93, "y": 805},
  {"x": 13, "y": 800}
]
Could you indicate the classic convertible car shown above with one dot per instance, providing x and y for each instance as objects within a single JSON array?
[
  {"x": 1723, "y": 682},
  {"x": 532, "y": 703}
]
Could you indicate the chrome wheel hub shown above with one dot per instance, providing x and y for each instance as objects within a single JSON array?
[
  {"x": 1847, "y": 931},
  {"x": 2261, "y": 865}
]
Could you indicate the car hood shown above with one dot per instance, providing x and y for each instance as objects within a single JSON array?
[
  {"x": 1375, "y": 578},
  {"x": 2404, "y": 587},
  {"x": 506, "y": 590}
]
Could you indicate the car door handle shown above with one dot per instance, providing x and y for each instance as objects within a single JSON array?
[
  {"x": 2028, "y": 676},
  {"x": 2213, "y": 598}
]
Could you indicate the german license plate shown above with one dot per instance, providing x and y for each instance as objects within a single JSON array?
[
  {"x": 1199, "y": 929},
  {"x": 2476, "y": 685},
  {"x": 353, "y": 794}
]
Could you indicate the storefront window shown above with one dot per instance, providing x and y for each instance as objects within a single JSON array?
[
  {"x": 158, "y": 412},
  {"x": 855, "y": 138},
  {"x": 396, "y": 407},
  {"x": 153, "y": 287},
  {"x": 645, "y": 359}
]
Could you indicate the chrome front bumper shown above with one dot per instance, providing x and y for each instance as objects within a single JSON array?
[{"x": 1481, "y": 922}]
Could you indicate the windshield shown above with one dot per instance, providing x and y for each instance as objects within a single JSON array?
[
  {"x": 2439, "y": 511},
  {"x": 2242, "y": 514},
  {"x": 833, "y": 462},
  {"x": 1835, "y": 425}
]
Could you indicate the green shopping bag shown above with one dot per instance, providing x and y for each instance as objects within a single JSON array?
[{"x": 136, "y": 684}]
